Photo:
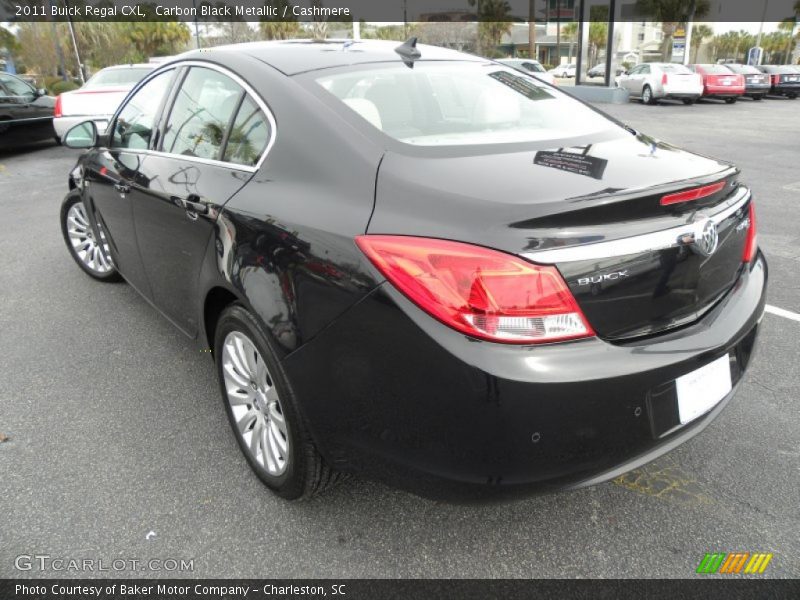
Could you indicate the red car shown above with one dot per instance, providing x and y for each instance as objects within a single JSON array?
[{"x": 720, "y": 82}]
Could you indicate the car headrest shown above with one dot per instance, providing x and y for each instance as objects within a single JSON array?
[
  {"x": 366, "y": 109},
  {"x": 496, "y": 108}
]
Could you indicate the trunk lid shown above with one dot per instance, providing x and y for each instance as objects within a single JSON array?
[
  {"x": 592, "y": 210},
  {"x": 92, "y": 101}
]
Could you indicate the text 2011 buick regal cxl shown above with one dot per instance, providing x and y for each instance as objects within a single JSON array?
[{"x": 423, "y": 265}]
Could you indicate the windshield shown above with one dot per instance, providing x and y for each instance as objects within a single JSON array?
[
  {"x": 461, "y": 104},
  {"x": 117, "y": 77},
  {"x": 674, "y": 69},
  {"x": 715, "y": 69},
  {"x": 744, "y": 69}
]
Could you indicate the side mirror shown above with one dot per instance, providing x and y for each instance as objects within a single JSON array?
[
  {"x": 83, "y": 135},
  {"x": 41, "y": 92}
]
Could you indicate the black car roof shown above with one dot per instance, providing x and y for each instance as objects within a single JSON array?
[{"x": 297, "y": 56}]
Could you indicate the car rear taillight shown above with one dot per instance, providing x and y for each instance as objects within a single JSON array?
[
  {"x": 693, "y": 194},
  {"x": 751, "y": 243},
  {"x": 57, "y": 107},
  {"x": 776, "y": 79},
  {"x": 664, "y": 79},
  {"x": 483, "y": 293}
]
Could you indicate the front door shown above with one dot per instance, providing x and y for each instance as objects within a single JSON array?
[
  {"x": 212, "y": 139},
  {"x": 118, "y": 170}
]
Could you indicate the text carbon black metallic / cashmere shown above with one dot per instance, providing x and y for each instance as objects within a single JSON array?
[{"x": 423, "y": 265}]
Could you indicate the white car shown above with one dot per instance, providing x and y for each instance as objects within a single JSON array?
[
  {"x": 98, "y": 98},
  {"x": 653, "y": 81},
  {"x": 563, "y": 70},
  {"x": 531, "y": 67}
]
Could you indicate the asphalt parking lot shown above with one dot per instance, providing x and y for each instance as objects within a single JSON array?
[{"x": 119, "y": 446}]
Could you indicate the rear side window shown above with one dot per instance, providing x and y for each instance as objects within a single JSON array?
[
  {"x": 249, "y": 135},
  {"x": 134, "y": 126},
  {"x": 201, "y": 114},
  {"x": 111, "y": 77}
]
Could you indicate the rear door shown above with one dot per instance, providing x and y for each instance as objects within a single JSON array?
[{"x": 214, "y": 136}]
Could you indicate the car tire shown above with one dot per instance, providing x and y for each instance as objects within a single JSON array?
[
  {"x": 647, "y": 95},
  {"x": 95, "y": 259},
  {"x": 792, "y": 96},
  {"x": 730, "y": 100},
  {"x": 259, "y": 401},
  {"x": 689, "y": 101},
  {"x": 757, "y": 98},
  {"x": 57, "y": 140}
]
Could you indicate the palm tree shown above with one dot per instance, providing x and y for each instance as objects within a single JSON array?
[
  {"x": 493, "y": 22},
  {"x": 671, "y": 14},
  {"x": 280, "y": 30},
  {"x": 700, "y": 33},
  {"x": 787, "y": 28},
  {"x": 570, "y": 32}
]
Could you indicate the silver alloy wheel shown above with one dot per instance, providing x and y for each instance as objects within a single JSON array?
[
  {"x": 647, "y": 95},
  {"x": 254, "y": 402},
  {"x": 92, "y": 254}
]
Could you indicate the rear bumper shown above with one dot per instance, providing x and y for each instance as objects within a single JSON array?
[
  {"x": 402, "y": 398},
  {"x": 723, "y": 91}
]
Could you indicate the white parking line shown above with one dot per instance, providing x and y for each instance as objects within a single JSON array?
[{"x": 787, "y": 314}]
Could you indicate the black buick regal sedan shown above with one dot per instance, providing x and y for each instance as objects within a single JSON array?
[{"x": 422, "y": 265}]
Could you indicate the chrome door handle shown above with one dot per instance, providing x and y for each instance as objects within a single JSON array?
[{"x": 193, "y": 206}]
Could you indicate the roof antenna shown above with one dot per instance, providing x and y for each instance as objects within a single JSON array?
[{"x": 408, "y": 50}]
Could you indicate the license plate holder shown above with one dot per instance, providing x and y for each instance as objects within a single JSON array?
[{"x": 702, "y": 389}]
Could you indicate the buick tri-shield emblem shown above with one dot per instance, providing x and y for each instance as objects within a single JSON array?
[{"x": 706, "y": 239}]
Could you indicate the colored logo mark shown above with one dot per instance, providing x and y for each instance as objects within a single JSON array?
[{"x": 735, "y": 562}]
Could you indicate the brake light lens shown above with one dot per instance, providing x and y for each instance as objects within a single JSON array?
[
  {"x": 751, "y": 242},
  {"x": 57, "y": 107},
  {"x": 776, "y": 79},
  {"x": 693, "y": 194},
  {"x": 664, "y": 79},
  {"x": 483, "y": 293}
]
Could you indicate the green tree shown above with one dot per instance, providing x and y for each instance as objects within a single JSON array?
[
  {"x": 787, "y": 27},
  {"x": 700, "y": 33},
  {"x": 598, "y": 37},
  {"x": 671, "y": 14},
  {"x": 157, "y": 38},
  {"x": 570, "y": 33},
  {"x": 280, "y": 30},
  {"x": 494, "y": 20}
]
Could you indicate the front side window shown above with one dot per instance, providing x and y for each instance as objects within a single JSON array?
[
  {"x": 16, "y": 87},
  {"x": 134, "y": 126},
  {"x": 460, "y": 104},
  {"x": 201, "y": 114},
  {"x": 249, "y": 135}
]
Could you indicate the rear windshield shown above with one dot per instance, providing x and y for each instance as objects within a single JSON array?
[
  {"x": 117, "y": 77},
  {"x": 744, "y": 69},
  {"x": 461, "y": 104},
  {"x": 673, "y": 69},
  {"x": 715, "y": 69}
]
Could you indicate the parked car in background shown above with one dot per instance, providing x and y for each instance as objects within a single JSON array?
[
  {"x": 493, "y": 289},
  {"x": 784, "y": 79},
  {"x": 531, "y": 67},
  {"x": 654, "y": 81},
  {"x": 564, "y": 70},
  {"x": 756, "y": 83},
  {"x": 26, "y": 113},
  {"x": 98, "y": 98},
  {"x": 720, "y": 82},
  {"x": 599, "y": 70}
]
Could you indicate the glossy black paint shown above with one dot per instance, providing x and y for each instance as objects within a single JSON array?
[
  {"x": 24, "y": 118},
  {"x": 385, "y": 388}
]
